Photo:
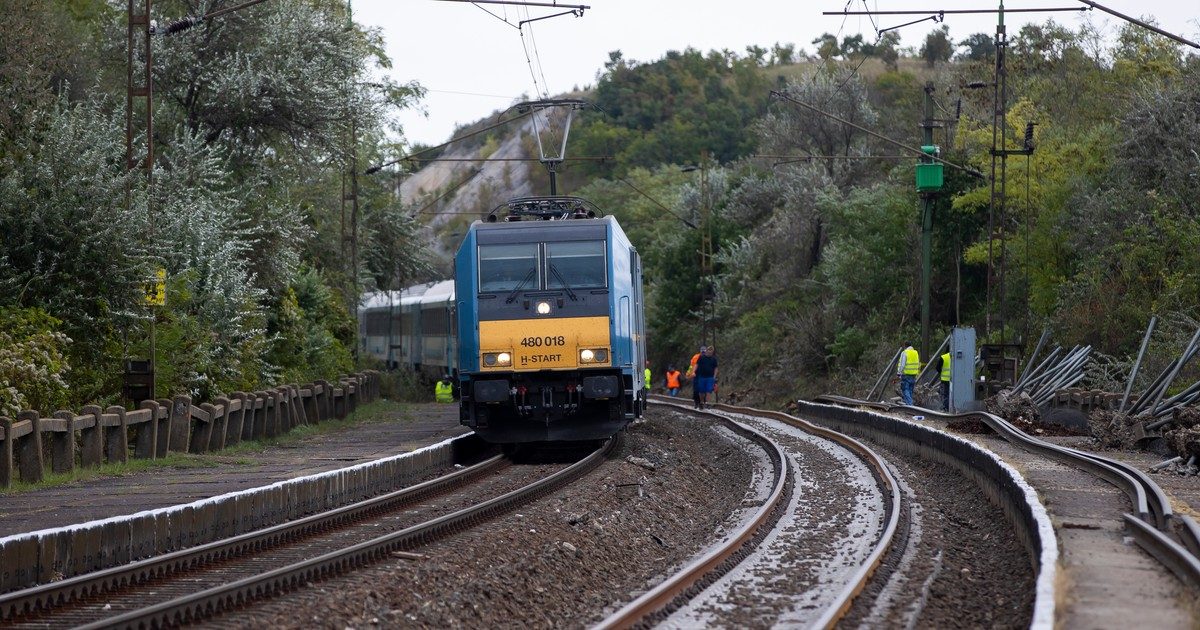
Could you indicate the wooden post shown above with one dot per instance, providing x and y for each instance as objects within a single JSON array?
[
  {"x": 220, "y": 425},
  {"x": 147, "y": 433},
  {"x": 323, "y": 401},
  {"x": 310, "y": 404},
  {"x": 351, "y": 394},
  {"x": 163, "y": 446},
  {"x": 62, "y": 444},
  {"x": 91, "y": 439},
  {"x": 269, "y": 409},
  {"x": 6, "y": 453},
  {"x": 30, "y": 450},
  {"x": 298, "y": 406},
  {"x": 283, "y": 421},
  {"x": 261, "y": 418},
  {"x": 202, "y": 429},
  {"x": 116, "y": 438},
  {"x": 237, "y": 419},
  {"x": 181, "y": 423}
]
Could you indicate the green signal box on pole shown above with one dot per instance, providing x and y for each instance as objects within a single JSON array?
[{"x": 929, "y": 173}]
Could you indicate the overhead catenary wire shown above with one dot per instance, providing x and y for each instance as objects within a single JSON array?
[
  {"x": 915, "y": 151},
  {"x": 379, "y": 167}
]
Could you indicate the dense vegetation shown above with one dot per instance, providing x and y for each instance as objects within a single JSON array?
[
  {"x": 254, "y": 116},
  {"x": 814, "y": 224},
  {"x": 817, "y": 260}
]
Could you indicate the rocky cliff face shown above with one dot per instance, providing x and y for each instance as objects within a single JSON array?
[{"x": 443, "y": 190}]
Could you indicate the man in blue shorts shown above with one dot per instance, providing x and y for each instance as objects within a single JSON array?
[{"x": 706, "y": 376}]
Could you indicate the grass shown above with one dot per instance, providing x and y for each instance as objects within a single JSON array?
[{"x": 377, "y": 411}]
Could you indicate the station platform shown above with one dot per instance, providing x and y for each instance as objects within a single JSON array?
[{"x": 380, "y": 430}]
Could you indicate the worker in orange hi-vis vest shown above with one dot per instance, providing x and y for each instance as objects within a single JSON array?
[
  {"x": 673, "y": 381},
  {"x": 691, "y": 375}
]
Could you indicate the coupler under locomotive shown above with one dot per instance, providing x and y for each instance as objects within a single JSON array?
[{"x": 547, "y": 406}]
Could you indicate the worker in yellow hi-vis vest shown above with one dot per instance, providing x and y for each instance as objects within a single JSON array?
[
  {"x": 443, "y": 391},
  {"x": 942, "y": 365},
  {"x": 907, "y": 369}
]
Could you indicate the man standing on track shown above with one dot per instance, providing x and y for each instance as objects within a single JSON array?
[
  {"x": 647, "y": 375},
  {"x": 706, "y": 376},
  {"x": 907, "y": 369},
  {"x": 691, "y": 374}
]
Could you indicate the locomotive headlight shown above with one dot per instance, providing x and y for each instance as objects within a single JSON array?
[
  {"x": 601, "y": 356},
  {"x": 586, "y": 356},
  {"x": 494, "y": 359},
  {"x": 543, "y": 308}
]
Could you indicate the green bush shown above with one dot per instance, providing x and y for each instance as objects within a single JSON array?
[{"x": 32, "y": 361}]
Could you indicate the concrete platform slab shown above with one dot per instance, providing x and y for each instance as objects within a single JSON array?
[{"x": 389, "y": 429}]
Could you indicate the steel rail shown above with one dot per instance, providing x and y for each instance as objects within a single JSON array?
[
  {"x": 1152, "y": 507},
  {"x": 45, "y": 597},
  {"x": 215, "y": 600},
  {"x": 863, "y": 574},
  {"x": 666, "y": 592}
]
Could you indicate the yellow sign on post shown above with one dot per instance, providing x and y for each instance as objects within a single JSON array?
[{"x": 156, "y": 289}]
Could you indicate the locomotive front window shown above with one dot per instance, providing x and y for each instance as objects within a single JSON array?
[
  {"x": 577, "y": 265},
  {"x": 507, "y": 267}
]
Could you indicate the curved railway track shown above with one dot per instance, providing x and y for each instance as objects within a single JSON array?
[
  {"x": 80, "y": 601},
  {"x": 1173, "y": 539},
  {"x": 676, "y": 589}
]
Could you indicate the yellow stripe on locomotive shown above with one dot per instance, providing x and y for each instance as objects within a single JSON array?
[{"x": 568, "y": 343}]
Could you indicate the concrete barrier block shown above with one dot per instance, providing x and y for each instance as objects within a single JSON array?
[{"x": 141, "y": 537}]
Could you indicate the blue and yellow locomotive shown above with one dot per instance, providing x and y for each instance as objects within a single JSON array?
[{"x": 550, "y": 323}]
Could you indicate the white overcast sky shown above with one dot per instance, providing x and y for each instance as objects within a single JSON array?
[{"x": 473, "y": 63}]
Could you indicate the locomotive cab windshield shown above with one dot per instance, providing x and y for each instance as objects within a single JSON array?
[{"x": 542, "y": 266}]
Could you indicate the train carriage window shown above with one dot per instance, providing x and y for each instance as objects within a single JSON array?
[
  {"x": 506, "y": 267},
  {"x": 575, "y": 264}
]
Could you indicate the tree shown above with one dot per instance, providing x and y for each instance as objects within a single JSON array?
[
  {"x": 783, "y": 54},
  {"x": 853, "y": 45},
  {"x": 757, "y": 55},
  {"x": 978, "y": 47},
  {"x": 827, "y": 46},
  {"x": 888, "y": 49},
  {"x": 938, "y": 46}
]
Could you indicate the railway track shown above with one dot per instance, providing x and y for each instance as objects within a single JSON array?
[
  {"x": 684, "y": 587},
  {"x": 1171, "y": 538},
  {"x": 197, "y": 583}
]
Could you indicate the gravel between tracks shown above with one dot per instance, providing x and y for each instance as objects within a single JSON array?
[
  {"x": 832, "y": 523},
  {"x": 562, "y": 561},
  {"x": 962, "y": 565}
]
